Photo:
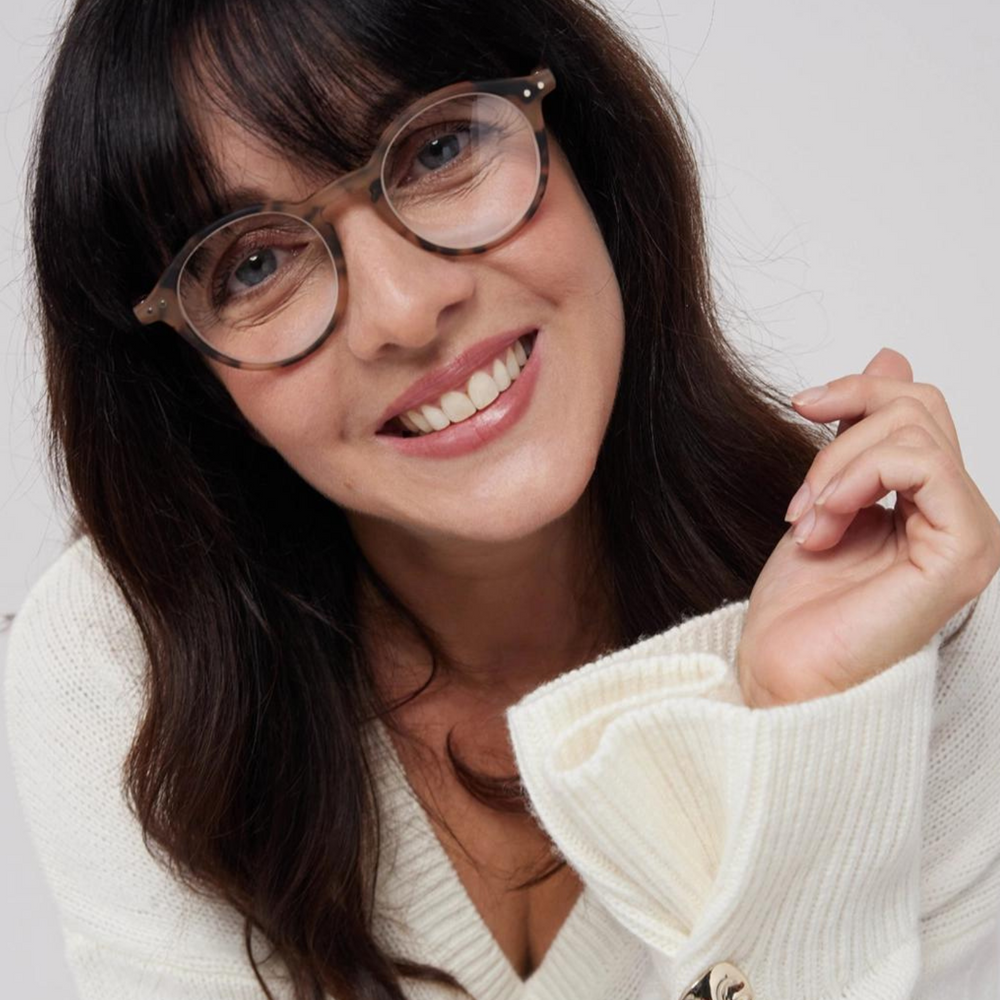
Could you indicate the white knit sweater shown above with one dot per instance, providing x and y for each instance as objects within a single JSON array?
[{"x": 847, "y": 847}]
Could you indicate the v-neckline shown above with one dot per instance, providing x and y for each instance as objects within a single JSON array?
[{"x": 418, "y": 876}]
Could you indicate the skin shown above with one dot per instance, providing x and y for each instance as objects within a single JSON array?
[
  {"x": 856, "y": 587},
  {"x": 487, "y": 547}
]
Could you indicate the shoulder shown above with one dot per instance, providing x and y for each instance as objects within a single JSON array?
[
  {"x": 74, "y": 655},
  {"x": 73, "y": 606},
  {"x": 74, "y": 698},
  {"x": 72, "y": 690},
  {"x": 75, "y": 659}
]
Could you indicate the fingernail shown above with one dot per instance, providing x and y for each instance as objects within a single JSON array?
[
  {"x": 798, "y": 503},
  {"x": 810, "y": 395},
  {"x": 804, "y": 528}
]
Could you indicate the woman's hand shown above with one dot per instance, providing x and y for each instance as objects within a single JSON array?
[{"x": 869, "y": 585}]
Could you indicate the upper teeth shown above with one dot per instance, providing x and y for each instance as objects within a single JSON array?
[{"x": 481, "y": 389}]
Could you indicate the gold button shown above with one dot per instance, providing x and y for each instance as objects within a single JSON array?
[{"x": 723, "y": 981}]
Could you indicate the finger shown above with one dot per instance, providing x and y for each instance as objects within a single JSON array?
[
  {"x": 901, "y": 412},
  {"x": 928, "y": 478},
  {"x": 887, "y": 363},
  {"x": 854, "y": 397}
]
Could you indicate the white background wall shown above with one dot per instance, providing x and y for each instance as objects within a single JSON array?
[{"x": 850, "y": 154}]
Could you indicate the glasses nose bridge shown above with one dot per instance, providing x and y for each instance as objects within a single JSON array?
[{"x": 362, "y": 186}]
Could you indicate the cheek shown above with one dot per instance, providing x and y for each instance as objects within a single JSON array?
[
  {"x": 564, "y": 249},
  {"x": 564, "y": 259},
  {"x": 291, "y": 409}
]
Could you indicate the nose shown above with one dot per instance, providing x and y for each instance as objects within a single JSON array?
[{"x": 399, "y": 293}]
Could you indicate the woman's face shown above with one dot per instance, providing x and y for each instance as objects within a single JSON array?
[{"x": 409, "y": 313}]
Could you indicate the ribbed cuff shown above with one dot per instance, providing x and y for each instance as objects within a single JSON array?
[{"x": 785, "y": 840}]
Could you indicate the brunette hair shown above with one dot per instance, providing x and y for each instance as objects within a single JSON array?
[{"x": 248, "y": 770}]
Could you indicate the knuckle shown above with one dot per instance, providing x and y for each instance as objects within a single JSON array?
[
  {"x": 912, "y": 434},
  {"x": 910, "y": 409},
  {"x": 930, "y": 397}
]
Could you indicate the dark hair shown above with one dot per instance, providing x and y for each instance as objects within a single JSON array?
[{"x": 248, "y": 770}]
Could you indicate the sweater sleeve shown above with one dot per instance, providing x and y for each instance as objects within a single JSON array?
[
  {"x": 846, "y": 847},
  {"x": 132, "y": 931}
]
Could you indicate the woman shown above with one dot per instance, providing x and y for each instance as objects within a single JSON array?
[{"x": 446, "y": 544}]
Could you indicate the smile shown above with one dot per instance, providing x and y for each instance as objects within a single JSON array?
[
  {"x": 479, "y": 391},
  {"x": 475, "y": 427}
]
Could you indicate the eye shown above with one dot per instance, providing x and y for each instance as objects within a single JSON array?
[
  {"x": 244, "y": 272},
  {"x": 258, "y": 267},
  {"x": 445, "y": 147},
  {"x": 434, "y": 149}
]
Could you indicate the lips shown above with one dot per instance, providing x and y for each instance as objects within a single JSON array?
[{"x": 453, "y": 375}]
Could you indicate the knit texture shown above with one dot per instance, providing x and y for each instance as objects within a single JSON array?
[{"x": 843, "y": 848}]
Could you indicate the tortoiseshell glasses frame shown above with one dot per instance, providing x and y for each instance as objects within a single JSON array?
[{"x": 366, "y": 184}]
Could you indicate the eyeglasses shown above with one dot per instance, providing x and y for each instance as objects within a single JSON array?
[{"x": 459, "y": 171}]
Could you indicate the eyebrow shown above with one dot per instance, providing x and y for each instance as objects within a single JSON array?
[
  {"x": 385, "y": 110},
  {"x": 233, "y": 199}
]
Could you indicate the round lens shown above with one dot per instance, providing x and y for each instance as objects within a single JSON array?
[
  {"x": 463, "y": 172},
  {"x": 260, "y": 289}
]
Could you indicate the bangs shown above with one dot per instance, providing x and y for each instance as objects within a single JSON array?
[
  {"x": 315, "y": 80},
  {"x": 318, "y": 82}
]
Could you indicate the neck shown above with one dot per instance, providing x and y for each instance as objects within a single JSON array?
[{"x": 508, "y": 616}]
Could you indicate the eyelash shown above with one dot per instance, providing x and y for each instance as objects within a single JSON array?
[
  {"x": 434, "y": 131},
  {"x": 235, "y": 256}
]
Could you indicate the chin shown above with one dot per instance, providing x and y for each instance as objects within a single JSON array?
[{"x": 505, "y": 516}]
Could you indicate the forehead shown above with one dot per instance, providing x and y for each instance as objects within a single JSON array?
[
  {"x": 265, "y": 136},
  {"x": 247, "y": 167}
]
